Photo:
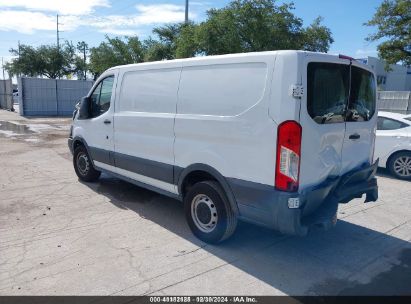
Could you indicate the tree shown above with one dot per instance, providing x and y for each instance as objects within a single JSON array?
[
  {"x": 259, "y": 25},
  {"x": 219, "y": 34},
  {"x": 241, "y": 26},
  {"x": 317, "y": 38},
  {"x": 166, "y": 44},
  {"x": 187, "y": 45},
  {"x": 45, "y": 60},
  {"x": 393, "y": 22},
  {"x": 115, "y": 51},
  {"x": 26, "y": 64},
  {"x": 81, "y": 61},
  {"x": 156, "y": 50}
]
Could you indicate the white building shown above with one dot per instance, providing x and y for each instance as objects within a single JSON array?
[{"x": 397, "y": 79}]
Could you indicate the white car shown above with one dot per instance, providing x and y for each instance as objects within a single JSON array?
[
  {"x": 393, "y": 143},
  {"x": 261, "y": 137}
]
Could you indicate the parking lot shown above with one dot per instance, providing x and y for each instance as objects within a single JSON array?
[{"x": 59, "y": 236}]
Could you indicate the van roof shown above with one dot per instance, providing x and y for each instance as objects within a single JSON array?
[{"x": 236, "y": 55}]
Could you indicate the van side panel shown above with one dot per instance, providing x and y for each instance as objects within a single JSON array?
[
  {"x": 144, "y": 124},
  {"x": 222, "y": 117},
  {"x": 287, "y": 72},
  {"x": 221, "y": 89}
]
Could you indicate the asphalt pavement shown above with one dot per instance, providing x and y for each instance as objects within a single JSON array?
[{"x": 59, "y": 236}]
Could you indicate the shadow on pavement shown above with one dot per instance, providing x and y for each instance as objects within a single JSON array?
[
  {"x": 385, "y": 173},
  {"x": 347, "y": 260}
]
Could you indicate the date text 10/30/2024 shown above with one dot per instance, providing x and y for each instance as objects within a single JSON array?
[{"x": 203, "y": 299}]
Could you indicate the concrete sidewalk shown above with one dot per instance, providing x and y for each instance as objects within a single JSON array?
[{"x": 59, "y": 236}]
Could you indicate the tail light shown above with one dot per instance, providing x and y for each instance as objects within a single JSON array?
[{"x": 288, "y": 156}]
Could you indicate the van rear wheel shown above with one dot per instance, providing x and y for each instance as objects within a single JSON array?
[
  {"x": 208, "y": 212},
  {"x": 83, "y": 165}
]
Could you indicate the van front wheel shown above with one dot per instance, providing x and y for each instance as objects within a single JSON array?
[
  {"x": 208, "y": 212},
  {"x": 83, "y": 166}
]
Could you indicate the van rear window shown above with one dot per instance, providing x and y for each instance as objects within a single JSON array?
[
  {"x": 327, "y": 91},
  {"x": 362, "y": 95},
  {"x": 330, "y": 99}
]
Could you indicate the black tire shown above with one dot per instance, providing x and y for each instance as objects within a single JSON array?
[
  {"x": 399, "y": 165},
  {"x": 226, "y": 221},
  {"x": 83, "y": 165}
]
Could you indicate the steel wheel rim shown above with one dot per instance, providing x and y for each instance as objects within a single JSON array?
[
  {"x": 204, "y": 213},
  {"x": 83, "y": 164},
  {"x": 402, "y": 166}
]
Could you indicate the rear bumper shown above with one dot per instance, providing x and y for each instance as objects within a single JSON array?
[{"x": 317, "y": 205}]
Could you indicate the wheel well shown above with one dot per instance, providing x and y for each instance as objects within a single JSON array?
[
  {"x": 77, "y": 143},
  {"x": 195, "y": 177},
  {"x": 395, "y": 153}
]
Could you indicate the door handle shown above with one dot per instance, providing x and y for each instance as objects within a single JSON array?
[
  {"x": 354, "y": 136},
  {"x": 107, "y": 121}
]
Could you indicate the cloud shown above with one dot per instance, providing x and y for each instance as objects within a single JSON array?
[
  {"x": 119, "y": 32},
  {"x": 27, "y": 22},
  {"x": 360, "y": 53},
  {"x": 146, "y": 15},
  {"x": 65, "y": 7},
  {"x": 160, "y": 13}
]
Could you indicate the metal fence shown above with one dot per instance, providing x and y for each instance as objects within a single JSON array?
[
  {"x": 394, "y": 101},
  {"x": 50, "y": 97},
  {"x": 6, "y": 94}
]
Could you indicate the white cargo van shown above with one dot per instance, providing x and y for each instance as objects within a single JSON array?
[{"x": 274, "y": 138}]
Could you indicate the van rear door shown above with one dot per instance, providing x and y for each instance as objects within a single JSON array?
[
  {"x": 337, "y": 118},
  {"x": 360, "y": 126},
  {"x": 327, "y": 82}
]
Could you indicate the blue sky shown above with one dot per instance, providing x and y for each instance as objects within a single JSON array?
[{"x": 33, "y": 21}]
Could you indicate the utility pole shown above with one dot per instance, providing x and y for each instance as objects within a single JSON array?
[
  {"x": 186, "y": 13},
  {"x": 58, "y": 38},
  {"x": 2, "y": 67},
  {"x": 84, "y": 59},
  {"x": 4, "y": 97},
  {"x": 58, "y": 42},
  {"x": 18, "y": 47},
  {"x": 83, "y": 48}
]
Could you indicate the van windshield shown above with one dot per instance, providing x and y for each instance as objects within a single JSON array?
[{"x": 330, "y": 98}]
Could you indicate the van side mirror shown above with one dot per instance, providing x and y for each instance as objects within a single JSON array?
[{"x": 84, "y": 110}]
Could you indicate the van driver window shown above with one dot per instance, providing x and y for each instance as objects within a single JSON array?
[{"x": 101, "y": 97}]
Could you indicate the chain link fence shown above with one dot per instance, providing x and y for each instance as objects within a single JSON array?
[{"x": 394, "y": 101}]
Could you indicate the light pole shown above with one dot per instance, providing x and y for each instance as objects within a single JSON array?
[{"x": 186, "y": 13}]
